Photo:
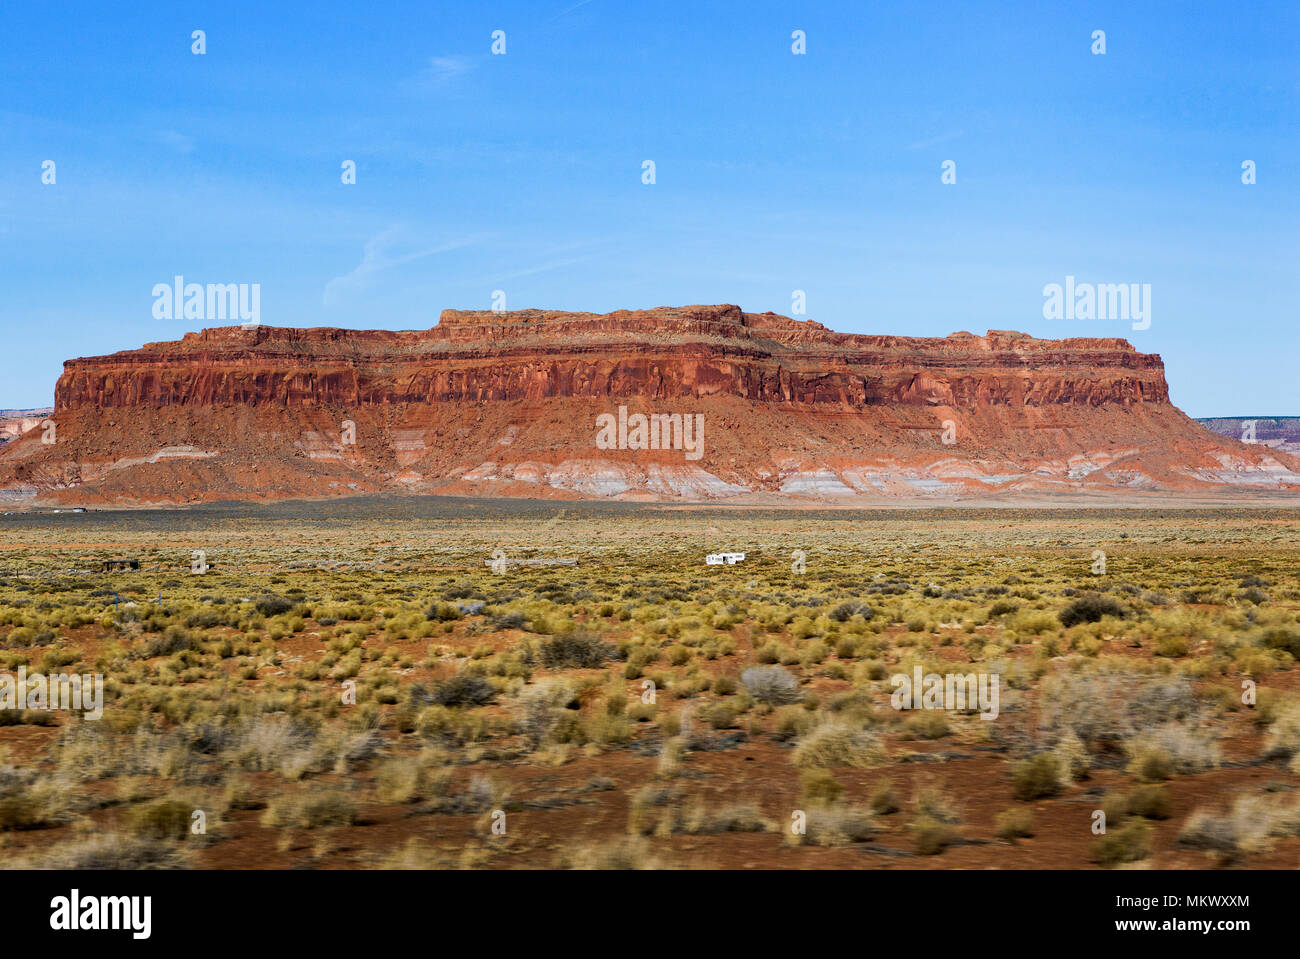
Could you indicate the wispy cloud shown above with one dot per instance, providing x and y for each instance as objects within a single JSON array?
[
  {"x": 569, "y": 10},
  {"x": 383, "y": 252},
  {"x": 934, "y": 141},
  {"x": 440, "y": 72},
  {"x": 558, "y": 256},
  {"x": 541, "y": 268}
]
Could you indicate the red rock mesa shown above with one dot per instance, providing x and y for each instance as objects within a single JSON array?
[{"x": 508, "y": 403}]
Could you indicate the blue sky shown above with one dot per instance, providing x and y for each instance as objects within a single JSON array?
[{"x": 774, "y": 172}]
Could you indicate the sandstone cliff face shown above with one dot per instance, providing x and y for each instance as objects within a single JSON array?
[
  {"x": 508, "y": 404},
  {"x": 692, "y": 352}
]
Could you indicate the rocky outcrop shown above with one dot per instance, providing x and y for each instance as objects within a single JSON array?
[{"x": 509, "y": 403}]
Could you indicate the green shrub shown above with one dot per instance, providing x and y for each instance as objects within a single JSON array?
[
  {"x": 1150, "y": 802},
  {"x": 1037, "y": 777},
  {"x": 1090, "y": 609},
  {"x": 846, "y": 611},
  {"x": 927, "y": 724},
  {"x": 883, "y": 799},
  {"x": 27, "y": 810},
  {"x": 1151, "y": 764},
  {"x": 1014, "y": 823},
  {"x": 720, "y": 715},
  {"x": 930, "y": 836},
  {"x": 577, "y": 649},
  {"x": 160, "y": 819},
  {"x": 174, "y": 639},
  {"x": 272, "y": 605},
  {"x": 1129, "y": 843},
  {"x": 820, "y": 787},
  {"x": 463, "y": 690},
  {"x": 442, "y": 612}
]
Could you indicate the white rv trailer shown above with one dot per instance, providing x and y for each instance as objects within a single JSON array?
[{"x": 719, "y": 559}]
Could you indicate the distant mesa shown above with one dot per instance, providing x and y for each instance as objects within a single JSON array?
[
  {"x": 1275, "y": 432},
  {"x": 14, "y": 423},
  {"x": 512, "y": 404}
]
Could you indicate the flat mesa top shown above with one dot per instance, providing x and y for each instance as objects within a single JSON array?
[{"x": 463, "y": 330}]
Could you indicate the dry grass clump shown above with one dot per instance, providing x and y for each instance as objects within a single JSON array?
[
  {"x": 934, "y": 819},
  {"x": 736, "y": 817},
  {"x": 1073, "y": 756},
  {"x": 104, "y": 851},
  {"x": 546, "y": 712},
  {"x": 820, "y": 788},
  {"x": 311, "y": 810},
  {"x": 1172, "y": 748},
  {"x": 664, "y": 811},
  {"x": 884, "y": 800},
  {"x": 416, "y": 855},
  {"x": 1090, "y": 609},
  {"x": 1107, "y": 703},
  {"x": 1249, "y": 827},
  {"x": 464, "y": 689},
  {"x": 627, "y": 853},
  {"x": 930, "y": 724},
  {"x": 1284, "y": 733},
  {"x": 1015, "y": 823},
  {"x": 1131, "y": 842},
  {"x": 931, "y": 836},
  {"x": 836, "y": 743},
  {"x": 161, "y": 819},
  {"x": 833, "y": 825},
  {"x": 771, "y": 684},
  {"x": 1038, "y": 777},
  {"x": 29, "y": 801},
  {"x": 577, "y": 649},
  {"x": 400, "y": 780}
]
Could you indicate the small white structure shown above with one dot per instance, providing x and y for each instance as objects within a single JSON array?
[{"x": 719, "y": 559}]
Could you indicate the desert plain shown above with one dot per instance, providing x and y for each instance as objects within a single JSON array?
[{"x": 436, "y": 682}]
